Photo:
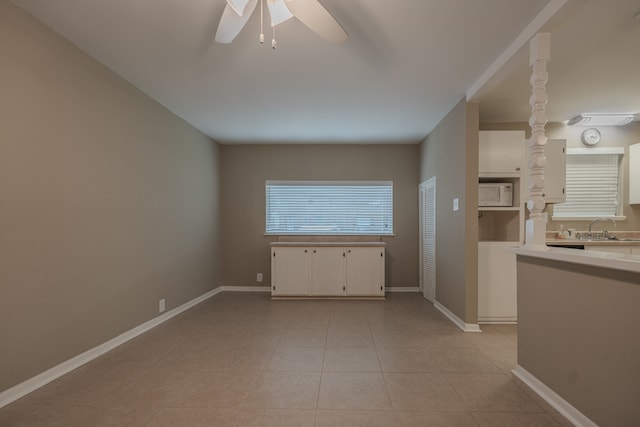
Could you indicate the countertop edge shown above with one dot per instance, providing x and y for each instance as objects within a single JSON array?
[{"x": 616, "y": 261}]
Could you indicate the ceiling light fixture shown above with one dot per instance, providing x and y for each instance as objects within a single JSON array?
[
  {"x": 601, "y": 119},
  {"x": 310, "y": 12}
]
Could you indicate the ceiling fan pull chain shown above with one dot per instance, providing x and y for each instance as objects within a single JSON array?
[
  {"x": 273, "y": 40},
  {"x": 261, "y": 21}
]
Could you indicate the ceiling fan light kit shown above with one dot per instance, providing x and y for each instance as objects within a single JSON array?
[
  {"x": 601, "y": 119},
  {"x": 310, "y": 12}
]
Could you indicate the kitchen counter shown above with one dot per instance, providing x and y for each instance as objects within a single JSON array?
[
  {"x": 552, "y": 240},
  {"x": 576, "y": 313},
  {"x": 622, "y": 262},
  {"x": 576, "y": 242}
]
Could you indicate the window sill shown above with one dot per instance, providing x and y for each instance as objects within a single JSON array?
[
  {"x": 587, "y": 218},
  {"x": 329, "y": 235}
]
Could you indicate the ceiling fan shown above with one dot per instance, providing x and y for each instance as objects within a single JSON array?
[{"x": 310, "y": 12}]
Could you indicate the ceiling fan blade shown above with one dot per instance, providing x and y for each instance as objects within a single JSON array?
[
  {"x": 278, "y": 11},
  {"x": 238, "y": 6},
  {"x": 231, "y": 23},
  {"x": 317, "y": 18}
]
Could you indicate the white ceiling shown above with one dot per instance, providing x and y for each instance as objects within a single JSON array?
[{"x": 405, "y": 65}]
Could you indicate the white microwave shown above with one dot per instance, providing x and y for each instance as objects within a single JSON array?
[{"x": 495, "y": 194}]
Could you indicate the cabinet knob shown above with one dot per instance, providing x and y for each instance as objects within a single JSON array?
[
  {"x": 517, "y": 169},
  {"x": 344, "y": 288},
  {"x": 314, "y": 251},
  {"x": 305, "y": 251},
  {"x": 349, "y": 251}
]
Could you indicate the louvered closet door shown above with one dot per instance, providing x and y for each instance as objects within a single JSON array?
[{"x": 428, "y": 238}]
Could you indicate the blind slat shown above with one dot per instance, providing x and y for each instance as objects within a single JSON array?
[
  {"x": 591, "y": 186},
  {"x": 329, "y": 208}
]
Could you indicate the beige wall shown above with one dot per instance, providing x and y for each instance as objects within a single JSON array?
[
  {"x": 612, "y": 136},
  {"x": 450, "y": 153},
  {"x": 578, "y": 330},
  {"x": 108, "y": 202},
  {"x": 247, "y": 167}
]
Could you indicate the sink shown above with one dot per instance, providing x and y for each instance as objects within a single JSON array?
[
  {"x": 617, "y": 239},
  {"x": 584, "y": 238}
]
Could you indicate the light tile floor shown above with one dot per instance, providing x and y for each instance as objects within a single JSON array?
[{"x": 240, "y": 359}]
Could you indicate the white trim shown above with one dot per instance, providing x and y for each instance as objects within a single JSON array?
[
  {"x": 586, "y": 218},
  {"x": 489, "y": 320},
  {"x": 466, "y": 327},
  {"x": 567, "y": 410},
  {"x": 245, "y": 288},
  {"x": 402, "y": 288},
  {"x": 596, "y": 151},
  {"x": 311, "y": 182},
  {"x": 16, "y": 392}
]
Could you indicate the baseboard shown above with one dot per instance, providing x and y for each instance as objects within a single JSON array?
[
  {"x": 16, "y": 392},
  {"x": 567, "y": 410},
  {"x": 268, "y": 289},
  {"x": 402, "y": 289},
  {"x": 498, "y": 320},
  {"x": 246, "y": 288},
  {"x": 466, "y": 327}
]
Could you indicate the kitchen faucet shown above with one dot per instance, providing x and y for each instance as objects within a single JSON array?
[{"x": 601, "y": 219}]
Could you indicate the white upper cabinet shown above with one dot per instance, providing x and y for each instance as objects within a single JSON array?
[{"x": 501, "y": 153}]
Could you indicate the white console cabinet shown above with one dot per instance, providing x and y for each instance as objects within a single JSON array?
[{"x": 327, "y": 270}]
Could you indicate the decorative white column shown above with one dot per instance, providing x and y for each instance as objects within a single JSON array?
[{"x": 539, "y": 55}]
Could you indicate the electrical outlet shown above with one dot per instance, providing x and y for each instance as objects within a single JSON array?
[
  {"x": 161, "y": 305},
  {"x": 259, "y": 278}
]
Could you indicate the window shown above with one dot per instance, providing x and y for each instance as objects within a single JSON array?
[
  {"x": 329, "y": 207},
  {"x": 593, "y": 184}
]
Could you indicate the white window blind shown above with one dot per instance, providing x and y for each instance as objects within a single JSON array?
[
  {"x": 329, "y": 207},
  {"x": 592, "y": 186}
]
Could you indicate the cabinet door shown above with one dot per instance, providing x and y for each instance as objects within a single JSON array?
[
  {"x": 290, "y": 271},
  {"x": 555, "y": 172},
  {"x": 328, "y": 271},
  {"x": 501, "y": 153},
  {"x": 365, "y": 271},
  {"x": 634, "y": 174},
  {"x": 497, "y": 283}
]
